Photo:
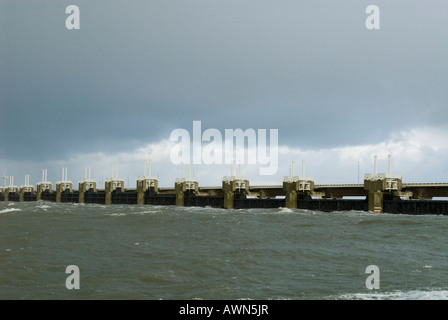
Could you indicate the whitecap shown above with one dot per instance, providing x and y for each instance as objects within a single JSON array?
[
  {"x": 117, "y": 214},
  {"x": 285, "y": 210},
  {"x": 10, "y": 210},
  {"x": 44, "y": 207},
  {"x": 430, "y": 294}
]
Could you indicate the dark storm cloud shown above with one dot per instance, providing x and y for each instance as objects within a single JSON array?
[{"x": 136, "y": 70}]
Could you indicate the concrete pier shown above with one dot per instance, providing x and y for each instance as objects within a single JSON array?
[
  {"x": 380, "y": 184},
  {"x": 291, "y": 187},
  {"x": 10, "y": 191},
  {"x": 234, "y": 185},
  {"x": 146, "y": 184},
  {"x": 25, "y": 190},
  {"x": 88, "y": 185},
  {"x": 297, "y": 186},
  {"x": 63, "y": 186},
  {"x": 375, "y": 200},
  {"x": 113, "y": 185},
  {"x": 183, "y": 187},
  {"x": 43, "y": 186}
]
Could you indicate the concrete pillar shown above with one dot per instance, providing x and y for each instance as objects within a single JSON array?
[
  {"x": 381, "y": 185},
  {"x": 41, "y": 187},
  {"x": 112, "y": 185},
  {"x": 231, "y": 185},
  {"x": 144, "y": 184},
  {"x": 375, "y": 196},
  {"x": 108, "y": 188},
  {"x": 295, "y": 186},
  {"x": 81, "y": 191},
  {"x": 291, "y": 199},
  {"x": 25, "y": 190},
  {"x": 84, "y": 186},
  {"x": 229, "y": 188},
  {"x": 60, "y": 188},
  {"x": 141, "y": 191},
  {"x": 22, "y": 195},
  {"x": 375, "y": 199},
  {"x": 7, "y": 194},
  {"x": 10, "y": 190},
  {"x": 180, "y": 188},
  {"x": 58, "y": 192},
  {"x": 291, "y": 189}
]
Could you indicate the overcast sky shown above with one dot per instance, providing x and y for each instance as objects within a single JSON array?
[{"x": 114, "y": 90}]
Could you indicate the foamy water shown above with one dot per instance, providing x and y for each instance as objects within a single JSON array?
[
  {"x": 10, "y": 210},
  {"x": 429, "y": 294}
]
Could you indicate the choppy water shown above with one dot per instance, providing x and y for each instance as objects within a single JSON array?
[{"x": 156, "y": 252}]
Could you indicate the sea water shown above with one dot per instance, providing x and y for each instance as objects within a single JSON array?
[{"x": 169, "y": 252}]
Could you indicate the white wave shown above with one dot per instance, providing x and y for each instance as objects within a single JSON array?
[
  {"x": 11, "y": 204},
  {"x": 285, "y": 210},
  {"x": 44, "y": 207},
  {"x": 118, "y": 214},
  {"x": 10, "y": 210},
  {"x": 142, "y": 213},
  {"x": 150, "y": 212},
  {"x": 430, "y": 294}
]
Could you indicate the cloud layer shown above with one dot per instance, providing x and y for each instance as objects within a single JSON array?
[{"x": 137, "y": 70}]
